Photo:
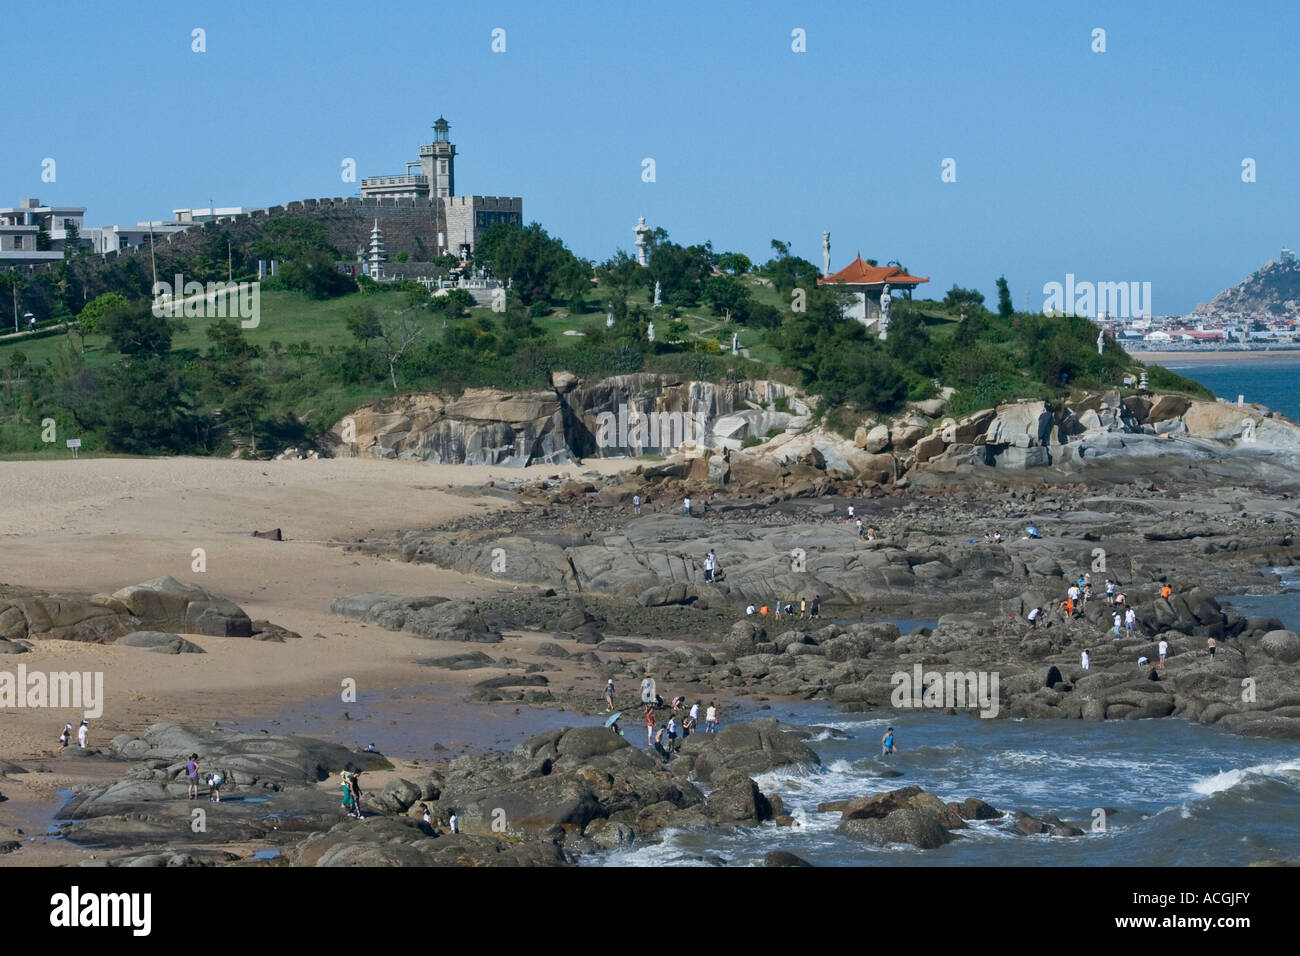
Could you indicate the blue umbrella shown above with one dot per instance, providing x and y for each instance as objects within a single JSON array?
[{"x": 612, "y": 718}]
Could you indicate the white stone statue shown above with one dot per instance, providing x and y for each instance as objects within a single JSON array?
[
  {"x": 735, "y": 344},
  {"x": 641, "y": 230},
  {"x": 885, "y": 299},
  {"x": 609, "y": 320},
  {"x": 658, "y": 297},
  {"x": 826, "y": 253},
  {"x": 650, "y": 332},
  {"x": 1101, "y": 342}
]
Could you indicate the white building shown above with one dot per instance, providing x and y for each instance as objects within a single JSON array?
[{"x": 20, "y": 224}]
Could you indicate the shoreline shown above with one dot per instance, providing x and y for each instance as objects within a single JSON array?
[{"x": 1210, "y": 357}]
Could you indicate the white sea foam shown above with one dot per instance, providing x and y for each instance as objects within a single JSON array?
[{"x": 1288, "y": 771}]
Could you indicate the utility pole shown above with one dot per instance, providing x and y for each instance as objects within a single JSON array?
[{"x": 229, "y": 263}]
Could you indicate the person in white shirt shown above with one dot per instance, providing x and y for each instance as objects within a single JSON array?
[
  {"x": 695, "y": 711},
  {"x": 1084, "y": 660},
  {"x": 710, "y": 562},
  {"x": 81, "y": 733},
  {"x": 636, "y": 504},
  {"x": 686, "y": 504},
  {"x": 751, "y": 610},
  {"x": 1074, "y": 594},
  {"x": 1033, "y": 616},
  {"x": 1164, "y": 650},
  {"x": 850, "y": 512},
  {"x": 1130, "y": 618},
  {"x": 452, "y": 823},
  {"x": 711, "y": 718}
]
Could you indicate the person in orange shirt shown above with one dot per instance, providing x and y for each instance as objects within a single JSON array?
[
  {"x": 1166, "y": 591},
  {"x": 763, "y": 610}
]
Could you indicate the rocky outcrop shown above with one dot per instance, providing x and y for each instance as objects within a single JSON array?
[
  {"x": 909, "y": 815},
  {"x": 434, "y": 618},
  {"x": 160, "y": 605},
  {"x": 618, "y": 416},
  {"x": 164, "y": 604}
]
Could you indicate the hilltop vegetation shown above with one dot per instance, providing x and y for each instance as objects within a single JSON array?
[{"x": 125, "y": 380}]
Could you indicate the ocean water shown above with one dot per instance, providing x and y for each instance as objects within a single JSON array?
[
  {"x": 1271, "y": 382},
  {"x": 1175, "y": 794},
  {"x": 1186, "y": 794}
]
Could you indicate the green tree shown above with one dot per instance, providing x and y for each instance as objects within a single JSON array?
[
  {"x": 90, "y": 318},
  {"x": 43, "y": 241},
  {"x": 72, "y": 241},
  {"x": 536, "y": 265},
  {"x": 229, "y": 379},
  {"x": 737, "y": 263},
  {"x": 958, "y": 297},
  {"x": 134, "y": 330},
  {"x": 312, "y": 272},
  {"x": 727, "y": 296},
  {"x": 362, "y": 321},
  {"x": 1005, "y": 308}
]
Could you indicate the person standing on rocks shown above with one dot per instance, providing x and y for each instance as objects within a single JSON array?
[
  {"x": 1130, "y": 620},
  {"x": 710, "y": 562},
  {"x": 453, "y": 822},
  {"x": 658, "y": 744},
  {"x": 851, "y": 515},
  {"x": 650, "y": 726},
  {"x": 346, "y": 787},
  {"x": 425, "y": 816},
  {"x": 1110, "y": 591},
  {"x": 354, "y": 785},
  {"x": 817, "y": 605},
  {"x": 636, "y": 505},
  {"x": 66, "y": 737},
  {"x": 1164, "y": 651},
  {"x": 695, "y": 711},
  {"x": 82, "y": 731},
  {"x": 686, "y": 504},
  {"x": 1084, "y": 660},
  {"x": 1118, "y": 621},
  {"x": 1212, "y": 645},
  {"x": 859, "y": 527},
  {"x": 192, "y": 775},
  {"x": 711, "y": 718},
  {"x": 803, "y": 609},
  {"x": 609, "y": 693}
]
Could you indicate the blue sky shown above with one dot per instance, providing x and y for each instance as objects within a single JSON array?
[{"x": 1115, "y": 166}]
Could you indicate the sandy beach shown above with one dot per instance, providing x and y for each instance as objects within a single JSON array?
[{"x": 101, "y": 524}]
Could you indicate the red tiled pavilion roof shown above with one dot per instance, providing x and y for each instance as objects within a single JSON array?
[{"x": 858, "y": 272}]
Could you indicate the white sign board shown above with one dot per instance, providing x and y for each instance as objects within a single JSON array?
[{"x": 74, "y": 442}]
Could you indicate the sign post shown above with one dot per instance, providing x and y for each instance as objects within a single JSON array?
[{"x": 74, "y": 444}]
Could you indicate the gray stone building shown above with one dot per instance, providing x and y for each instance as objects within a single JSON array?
[{"x": 461, "y": 220}]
